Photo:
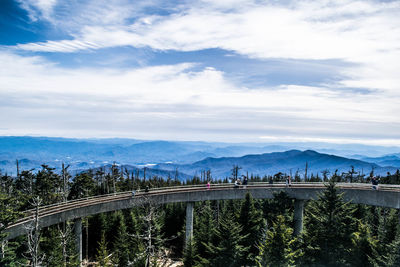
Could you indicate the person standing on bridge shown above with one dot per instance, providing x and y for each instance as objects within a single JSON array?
[
  {"x": 245, "y": 180},
  {"x": 374, "y": 182},
  {"x": 237, "y": 183},
  {"x": 288, "y": 181},
  {"x": 208, "y": 185}
]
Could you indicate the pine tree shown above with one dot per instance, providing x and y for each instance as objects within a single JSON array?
[
  {"x": 83, "y": 186},
  {"x": 329, "y": 227},
  {"x": 363, "y": 248},
  {"x": 278, "y": 248},
  {"x": 189, "y": 254},
  {"x": 102, "y": 257},
  {"x": 226, "y": 250},
  {"x": 281, "y": 204},
  {"x": 48, "y": 185},
  {"x": 51, "y": 243},
  {"x": 252, "y": 226},
  {"x": 120, "y": 244},
  {"x": 203, "y": 229}
]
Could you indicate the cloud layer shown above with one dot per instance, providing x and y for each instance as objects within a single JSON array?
[{"x": 191, "y": 101}]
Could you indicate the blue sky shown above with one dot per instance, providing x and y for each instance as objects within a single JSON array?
[{"x": 227, "y": 70}]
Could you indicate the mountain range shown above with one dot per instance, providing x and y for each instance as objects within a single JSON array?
[
  {"x": 191, "y": 157},
  {"x": 286, "y": 162}
]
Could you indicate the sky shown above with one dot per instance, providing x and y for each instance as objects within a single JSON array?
[{"x": 226, "y": 70}]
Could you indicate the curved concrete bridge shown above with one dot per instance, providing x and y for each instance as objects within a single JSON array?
[{"x": 386, "y": 196}]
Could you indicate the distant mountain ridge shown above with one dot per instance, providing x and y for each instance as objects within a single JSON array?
[
  {"x": 271, "y": 163},
  {"x": 189, "y": 156}
]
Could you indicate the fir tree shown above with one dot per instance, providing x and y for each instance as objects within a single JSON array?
[
  {"x": 363, "y": 249},
  {"x": 329, "y": 228},
  {"x": 203, "y": 229},
  {"x": 227, "y": 250},
  {"x": 252, "y": 226},
  {"x": 278, "y": 248},
  {"x": 120, "y": 244},
  {"x": 189, "y": 254},
  {"x": 102, "y": 257}
]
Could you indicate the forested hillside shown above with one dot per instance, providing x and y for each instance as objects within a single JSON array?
[{"x": 245, "y": 232}]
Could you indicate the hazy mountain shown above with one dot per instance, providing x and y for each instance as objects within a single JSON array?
[
  {"x": 92, "y": 153},
  {"x": 388, "y": 160},
  {"x": 271, "y": 163}
]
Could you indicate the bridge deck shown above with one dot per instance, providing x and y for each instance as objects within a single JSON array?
[{"x": 386, "y": 196}]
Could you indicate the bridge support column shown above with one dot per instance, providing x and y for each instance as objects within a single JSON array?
[
  {"x": 189, "y": 222},
  {"x": 78, "y": 238},
  {"x": 298, "y": 216}
]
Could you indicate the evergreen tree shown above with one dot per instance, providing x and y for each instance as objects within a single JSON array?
[
  {"x": 226, "y": 250},
  {"x": 189, "y": 254},
  {"x": 363, "y": 248},
  {"x": 174, "y": 219},
  {"x": 120, "y": 244},
  {"x": 102, "y": 257},
  {"x": 329, "y": 227},
  {"x": 278, "y": 249},
  {"x": 281, "y": 204},
  {"x": 136, "y": 246},
  {"x": 8, "y": 212},
  {"x": 204, "y": 226},
  {"x": 51, "y": 243},
  {"x": 48, "y": 185},
  {"x": 83, "y": 185},
  {"x": 252, "y": 228}
]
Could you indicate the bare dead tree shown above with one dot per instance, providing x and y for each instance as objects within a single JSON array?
[
  {"x": 4, "y": 244},
  {"x": 65, "y": 234},
  {"x": 154, "y": 253},
  {"x": 17, "y": 163},
  {"x": 65, "y": 177},
  {"x": 33, "y": 234},
  {"x": 306, "y": 172}
]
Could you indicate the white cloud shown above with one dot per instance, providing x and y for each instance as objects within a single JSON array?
[
  {"x": 204, "y": 104},
  {"x": 366, "y": 33},
  {"x": 176, "y": 102},
  {"x": 38, "y": 9}
]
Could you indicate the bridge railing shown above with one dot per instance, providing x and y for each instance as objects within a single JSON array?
[{"x": 29, "y": 213}]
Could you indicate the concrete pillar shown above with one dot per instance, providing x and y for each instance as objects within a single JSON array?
[
  {"x": 189, "y": 221},
  {"x": 78, "y": 238},
  {"x": 298, "y": 216}
]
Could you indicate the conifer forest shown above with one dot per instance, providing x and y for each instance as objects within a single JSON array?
[{"x": 247, "y": 232}]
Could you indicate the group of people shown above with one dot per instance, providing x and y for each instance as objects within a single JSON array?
[{"x": 238, "y": 182}]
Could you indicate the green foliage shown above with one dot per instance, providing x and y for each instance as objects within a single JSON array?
[
  {"x": 83, "y": 186},
  {"x": 226, "y": 250},
  {"x": 364, "y": 245},
  {"x": 48, "y": 185},
  {"x": 278, "y": 249},
  {"x": 253, "y": 224},
  {"x": 281, "y": 204},
  {"x": 8, "y": 212},
  {"x": 102, "y": 256},
  {"x": 204, "y": 227},
  {"x": 330, "y": 224},
  {"x": 120, "y": 242},
  {"x": 189, "y": 254}
]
